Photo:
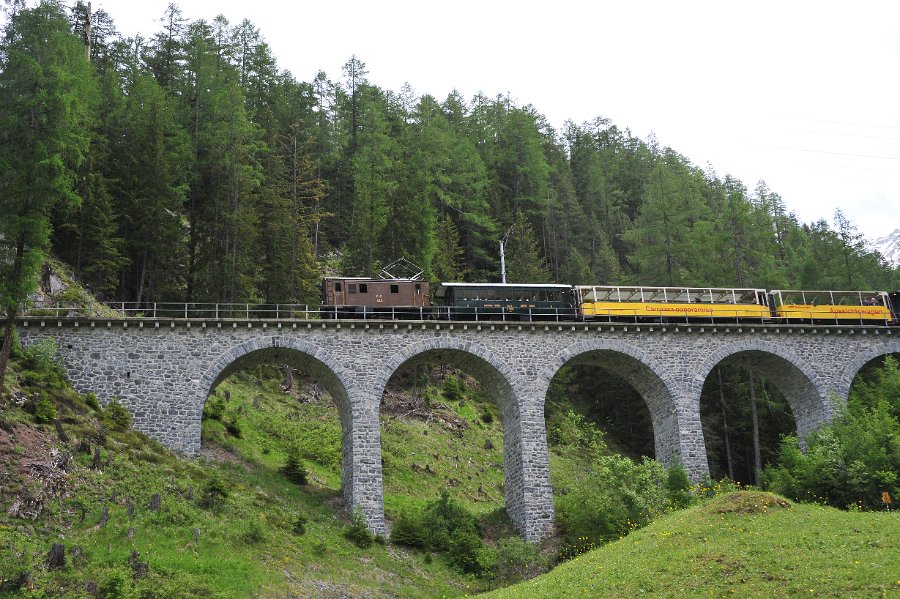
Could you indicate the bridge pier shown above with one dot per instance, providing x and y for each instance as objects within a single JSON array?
[
  {"x": 529, "y": 494},
  {"x": 361, "y": 478},
  {"x": 691, "y": 446}
]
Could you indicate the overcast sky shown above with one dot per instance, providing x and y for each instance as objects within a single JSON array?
[{"x": 802, "y": 94}]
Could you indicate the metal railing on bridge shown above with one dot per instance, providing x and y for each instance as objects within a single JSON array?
[{"x": 281, "y": 312}]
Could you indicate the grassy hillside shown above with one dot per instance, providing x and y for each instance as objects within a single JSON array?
[
  {"x": 742, "y": 544},
  {"x": 231, "y": 523}
]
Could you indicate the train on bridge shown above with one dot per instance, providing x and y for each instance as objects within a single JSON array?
[{"x": 357, "y": 297}]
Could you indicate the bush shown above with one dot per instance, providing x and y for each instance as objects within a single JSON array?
[
  {"x": 41, "y": 357},
  {"x": 116, "y": 416},
  {"x": 452, "y": 389},
  {"x": 409, "y": 531},
  {"x": 851, "y": 461},
  {"x": 848, "y": 462},
  {"x": 90, "y": 399},
  {"x": 358, "y": 533},
  {"x": 443, "y": 519},
  {"x": 516, "y": 559},
  {"x": 678, "y": 486},
  {"x": 464, "y": 552},
  {"x": 294, "y": 470},
  {"x": 214, "y": 493},
  {"x": 570, "y": 431},
  {"x": 614, "y": 496},
  {"x": 44, "y": 409},
  {"x": 233, "y": 428},
  {"x": 254, "y": 533},
  {"x": 116, "y": 584},
  {"x": 215, "y": 408},
  {"x": 451, "y": 529},
  {"x": 299, "y": 527}
]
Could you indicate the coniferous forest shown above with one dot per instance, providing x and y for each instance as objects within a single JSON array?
[{"x": 187, "y": 166}]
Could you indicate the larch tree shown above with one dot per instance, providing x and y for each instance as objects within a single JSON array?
[
  {"x": 47, "y": 92},
  {"x": 375, "y": 170}
]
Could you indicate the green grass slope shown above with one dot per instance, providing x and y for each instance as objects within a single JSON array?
[
  {"x": 230, "y": 523},
  {"x": 742, "y": 544}
]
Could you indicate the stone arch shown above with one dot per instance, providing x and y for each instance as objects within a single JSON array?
[
  {"x": 361, "y": 483},
  {"x": 805, "y": 391},
  {"x": 307, "y": 356},
  {"x": 845, "y": 379},
  {"x": 500, "y": 381},
  {"x": 644, "y": 373}
]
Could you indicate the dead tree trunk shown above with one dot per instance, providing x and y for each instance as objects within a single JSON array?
[
  {"x": 754, "y": 418},
  {"x": 725, "y": 426}
]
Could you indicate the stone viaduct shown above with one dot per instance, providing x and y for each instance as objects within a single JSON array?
[{"x": 163, "y": 370}]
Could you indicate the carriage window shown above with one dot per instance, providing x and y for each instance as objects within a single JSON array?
[
  {"x": 363, "y": 288},
  {"x": 395, "y": 288},
  {"x": 418, "y": 289},
  {"x": 351, "y": 288},
  {"x": 337, "y": 287}
]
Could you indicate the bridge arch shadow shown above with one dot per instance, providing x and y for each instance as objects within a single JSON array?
[
  {"x": 805, "y": 392},
  {"x": 770, "y": 367},
  {"x": 498, "y": 382},
  {"x": 358, "y": 491},
  {"x": 640, "y": 371},
  {"x": 861, "y": 362}
]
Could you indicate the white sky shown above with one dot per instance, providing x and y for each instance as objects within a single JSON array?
[{"x": 803, "y": 94}]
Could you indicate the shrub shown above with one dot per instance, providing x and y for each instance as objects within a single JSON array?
[
  {"x": 409, "y": 531},
  {"x": 116, "y": 416},
  {"x": 851, "y": 461},
  {"x": 571, "y": 431},
  {"x": 294, "y": 470},
  {"x": 44, "y": 409},
  {"x": 214, "y": 493},
  {"x": 233, "y": 428},
  {"x": 451, "y": 529},
  {"x": 90, "y": 399},
  {"x": 848, "y": 462},
  {"x": 254, "y": 533},
  {"x": 116, "y": 584},
  {"x": 357, "y": 532},
  {"x": 517, "y": 559},
  {"x": 452, "y": 388},
  {"x": 41, "y": 357},
  {"x": 444, "y": 518},
  {"x": 678, "y": 486},
  {"x": 215, "y": 408},
  {"x": 614, "y": 495},
  {"x": 299, "y": 527},
  {"x": 464, "y": 552}
]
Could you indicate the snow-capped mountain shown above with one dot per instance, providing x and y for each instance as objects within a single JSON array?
[{"x": 889, "y": 247}]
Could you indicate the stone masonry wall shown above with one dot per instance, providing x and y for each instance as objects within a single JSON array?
[{"x": 164, "y": 370}]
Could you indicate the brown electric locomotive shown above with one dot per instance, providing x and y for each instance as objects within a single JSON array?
[{"x": 355, "y": 297}]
